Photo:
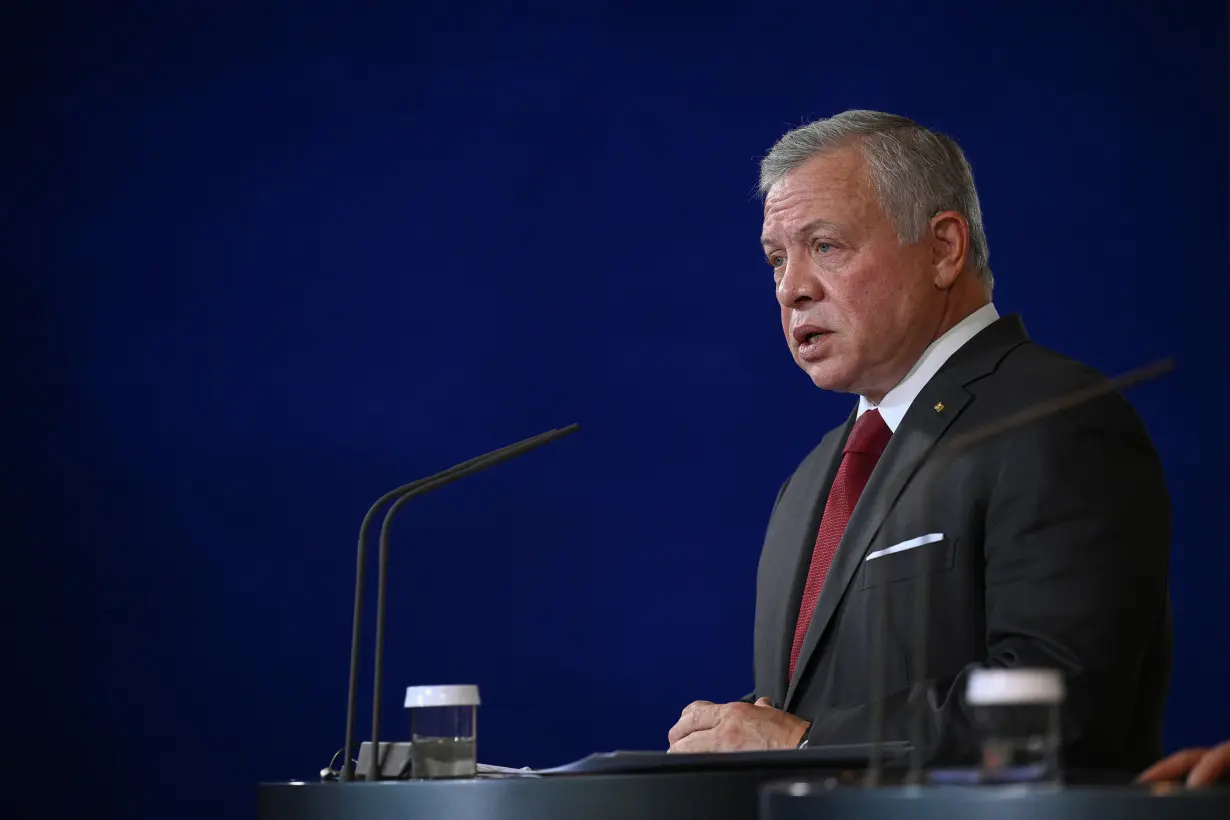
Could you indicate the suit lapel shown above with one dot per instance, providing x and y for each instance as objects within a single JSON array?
[
  {"x": 921, "y": 428},
  {"x": 801, "y": 509}
]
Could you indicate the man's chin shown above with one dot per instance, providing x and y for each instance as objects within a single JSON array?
[{"x": 827, "y": 376}]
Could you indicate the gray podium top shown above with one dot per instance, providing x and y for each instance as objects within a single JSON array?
[
  {"x": 768, "y": 794},
  {"x": 714, "y": 795}
]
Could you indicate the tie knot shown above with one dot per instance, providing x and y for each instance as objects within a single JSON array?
[{"x": 870, "y": 434}]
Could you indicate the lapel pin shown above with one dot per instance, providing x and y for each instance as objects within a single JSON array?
[{"x": 939, "y": 407}]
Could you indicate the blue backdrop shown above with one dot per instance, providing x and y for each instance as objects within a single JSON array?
[{"x": 266, "y": 261}]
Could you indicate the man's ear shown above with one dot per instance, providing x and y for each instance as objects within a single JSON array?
[{"x": 949, "y": 233}]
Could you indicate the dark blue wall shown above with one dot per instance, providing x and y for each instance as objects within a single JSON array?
[{"x": 267, "y": 260}]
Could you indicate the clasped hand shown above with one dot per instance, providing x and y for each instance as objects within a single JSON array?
[{"x": 735, "y": 727}]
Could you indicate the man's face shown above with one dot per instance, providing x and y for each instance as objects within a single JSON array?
[{"x": 858, "y": 307}]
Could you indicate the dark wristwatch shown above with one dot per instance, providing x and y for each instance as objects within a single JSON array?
[{"x": 803, "y": 742}]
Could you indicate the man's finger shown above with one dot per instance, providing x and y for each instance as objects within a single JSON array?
[
  {"x": 697, "y": 716},
  {"x": 698, "y": 742},
  {"x": 1211, "y": 767},
  {"x": 764, "y": 702},
  {"x": 1174, "y": 767}
]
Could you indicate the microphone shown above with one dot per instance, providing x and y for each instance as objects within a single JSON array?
[
  {"x": 404, "y": 494},
  {"x": 879, "y": 651},
  {"x": 918, "y": 728},
  {"x": 880, "y": 642}
]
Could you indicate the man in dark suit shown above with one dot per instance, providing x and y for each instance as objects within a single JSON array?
[{"x": 1044, "y": 546}]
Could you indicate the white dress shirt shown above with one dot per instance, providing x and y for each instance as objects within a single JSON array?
[{"x": 898, "y": 400}]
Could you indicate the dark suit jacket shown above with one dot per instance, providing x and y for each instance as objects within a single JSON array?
[{"x": 1055, "y": 552}]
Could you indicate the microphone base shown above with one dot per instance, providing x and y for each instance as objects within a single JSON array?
[{"x": 394, "y": 760}]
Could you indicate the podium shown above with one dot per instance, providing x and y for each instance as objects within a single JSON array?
[
  {"x": 713, "y": 795},
  {"x": 725, "y": 793},
  {"x": 602, "y": 786}
]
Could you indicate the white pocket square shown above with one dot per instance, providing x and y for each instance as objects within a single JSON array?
[{"x": 913, "y": 543}]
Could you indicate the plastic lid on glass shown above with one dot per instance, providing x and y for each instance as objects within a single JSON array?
[
  {"x": 1012, "y": 687},
  {"x": 456, "y": 695}
]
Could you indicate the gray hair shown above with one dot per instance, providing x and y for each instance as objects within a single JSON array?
[{"x": 915, "y": 172}]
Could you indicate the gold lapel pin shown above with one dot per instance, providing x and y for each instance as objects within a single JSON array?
[{"x": 939, "y": 407}]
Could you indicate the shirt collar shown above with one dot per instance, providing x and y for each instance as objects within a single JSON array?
[{"x": 898, "y": 400}]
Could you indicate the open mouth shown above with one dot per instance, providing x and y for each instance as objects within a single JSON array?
[
  {"x": 810, "y": 342},
  {"x": 809, "y": 334}
]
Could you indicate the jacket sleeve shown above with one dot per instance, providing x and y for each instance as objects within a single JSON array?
[{"x": 752, "y": 697}]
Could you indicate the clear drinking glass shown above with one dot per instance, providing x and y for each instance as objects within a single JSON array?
[
  {"x": 1018, "y": 716},
  {"x": 443, "y": 731}
]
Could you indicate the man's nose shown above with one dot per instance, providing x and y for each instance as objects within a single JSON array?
[{"x": 798, "y": 285}]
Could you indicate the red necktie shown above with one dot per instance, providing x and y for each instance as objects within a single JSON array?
[{"x": 863, "y": 448}]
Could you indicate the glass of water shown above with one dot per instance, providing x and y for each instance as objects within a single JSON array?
[
  {"x": 443, "y": 731},
  {"x": 1018, "y": 716}
]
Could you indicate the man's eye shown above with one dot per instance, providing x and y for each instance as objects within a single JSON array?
[
  {"x": 823, "y": 247},
  {"x": 777, "y": 261}
]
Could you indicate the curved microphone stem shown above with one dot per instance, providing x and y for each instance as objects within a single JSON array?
[
  {"x": 356, "y": 625},
  {"x": 919, "y": 740},
  {"x": 361, "y": 570},
  {"x": 474, "y": 465},
  {"x": 879, "y": 646}
]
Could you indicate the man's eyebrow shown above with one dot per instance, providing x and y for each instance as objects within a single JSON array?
[{"x": 803, "y": 231}]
